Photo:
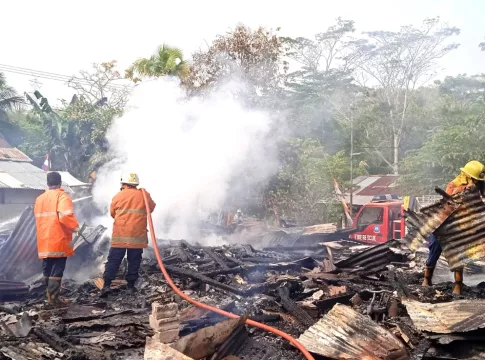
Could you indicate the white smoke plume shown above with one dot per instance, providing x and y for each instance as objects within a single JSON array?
[{"x": 186, "y": 152}]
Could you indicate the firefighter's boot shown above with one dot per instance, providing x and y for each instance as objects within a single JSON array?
[
  {"x": 53, "y": 291},
  {"x": 131, "y": 287},
  {"x": 428, "y": 276},
  {"x": 457, "y": 286},
  {"x": 106, "y": 290}
]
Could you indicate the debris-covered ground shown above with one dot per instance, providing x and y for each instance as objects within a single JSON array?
[{"x": 340, "y": 299}]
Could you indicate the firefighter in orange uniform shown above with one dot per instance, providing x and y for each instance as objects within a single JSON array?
[
  {"x": 473, "y": 174},
  {"x": 55, "y": 223},
  {"x": 129, "y": 232}
]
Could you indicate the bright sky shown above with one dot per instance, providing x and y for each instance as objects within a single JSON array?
[{"x": 63, "y": 37}]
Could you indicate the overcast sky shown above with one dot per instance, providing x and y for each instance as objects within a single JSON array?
[{"x": 64, "y": 36}]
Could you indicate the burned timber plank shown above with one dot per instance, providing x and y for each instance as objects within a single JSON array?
[
  {"x": 216, "y": 258},
  {"x": 301, "y": 315},
  {"x": 207, "y": 280}
]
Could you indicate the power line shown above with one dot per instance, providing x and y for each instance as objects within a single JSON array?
[{"x": 52, "y": 76}]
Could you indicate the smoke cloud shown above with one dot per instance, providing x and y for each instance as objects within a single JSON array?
[{"x": 191, "y": 154}]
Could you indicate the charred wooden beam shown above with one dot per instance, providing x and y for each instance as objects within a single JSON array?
[
  {"x": 216, "y": 258},
  {"x": 205, "y": 279},
  {"x": 289, "y": 305}
]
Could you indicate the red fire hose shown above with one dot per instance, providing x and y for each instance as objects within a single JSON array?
[{"x": 284, "y": 335}]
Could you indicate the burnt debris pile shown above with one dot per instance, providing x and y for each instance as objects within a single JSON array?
[{"x": 341, "y": 300}]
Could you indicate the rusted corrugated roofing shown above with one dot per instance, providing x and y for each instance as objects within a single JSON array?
[
  {"x": 426, "y": 221},
  {"x": 346, "y": 334},
  {"x": 459, "y": 225},
  {"x": 366, "y": 187},
  {"x": 380, "y": 186},
  {"x": 14, "y": 154},
  {"x": 445, "y": 318},
  {"x": 462, "y": 235}
]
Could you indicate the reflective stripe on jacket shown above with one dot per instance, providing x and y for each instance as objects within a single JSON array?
[
  {"x": 55, "y": 222},
  {"x": 459, "y": 184},
  {"x": 130, "y": 219}
]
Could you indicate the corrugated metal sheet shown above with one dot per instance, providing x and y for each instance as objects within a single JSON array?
[
  {"x": 380, "y": 186},
  {"x": 346, "y": 334},
  {"x": 18, "y": 255},
  {"x": 370, "y": 186},
  {"x": 12, "y": 288},
  {"x": 285, "y": 238},
  {"x": 24, "y": 175},
  {"x": 459, "y": 225},
  {"x": 10, "y": 153},
  {"x": 371, "y": 260},
  {"x": 27, "y": 175},
  {"x": 445, "y": 318},
  {"x": 423, "y": 223},
  {"x": 462, "y": 235},
  {"x": 70, "y": 180}
]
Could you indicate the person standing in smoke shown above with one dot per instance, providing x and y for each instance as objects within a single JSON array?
[
  {"x": 129, "y": 232},
  {"x": 55, "y": 224}
]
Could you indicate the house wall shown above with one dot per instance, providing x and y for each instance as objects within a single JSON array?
[{"x": 14, "y": 201}]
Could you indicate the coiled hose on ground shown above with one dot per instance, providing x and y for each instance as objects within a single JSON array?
[{"x": 284, "y": 335}]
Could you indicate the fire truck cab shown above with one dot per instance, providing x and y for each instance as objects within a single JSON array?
[{"x": 380, "y": 220}]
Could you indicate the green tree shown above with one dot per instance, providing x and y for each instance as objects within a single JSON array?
[
  {"x": 303, "y": 189},
  {"x": 32, "y": 140},
  {"x": 75, "y": 132},
  {"x": 453, "y": 140},
  {"x": 395, "y": 65},
  {"x": 9, "y": 98},
  {"x": 166, "y": 61}
]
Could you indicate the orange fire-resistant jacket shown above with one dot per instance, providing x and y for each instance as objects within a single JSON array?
[
  {"x": 459, "y": 184},
  {"x": 130, "y": 219},
  {"x": 55, "y": 221}
]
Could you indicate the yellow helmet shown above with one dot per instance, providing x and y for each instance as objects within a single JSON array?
[
  {"x": 475, "y": 170},
  {"x": 130, "y": 179}
]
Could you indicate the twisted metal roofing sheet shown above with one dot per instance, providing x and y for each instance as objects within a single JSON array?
[
  {"x": 346, "y": 334},
  {"x": 462, "y": 235},
  {"x": 423, "y": 223},
  {"x": 10, "y": 153},
  {"x": 371, "y": 260},
  {"x": 445, "y": 318},
  {"x": 459, "y": 226}
]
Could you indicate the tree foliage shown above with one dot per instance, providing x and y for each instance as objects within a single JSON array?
[
  {"x": 167, "y": 61},
  {"x": 9, "y": 98},
  {"x": 303, "y": 189},
  {"x": 100, "y": 86},
  {"x": 338, "y": 90},
  {"x": 254, "y": 56}
]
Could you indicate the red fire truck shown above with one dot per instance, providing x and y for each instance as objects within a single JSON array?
[{"x": 380, "y": 220}]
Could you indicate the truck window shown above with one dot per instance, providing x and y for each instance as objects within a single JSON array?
[
  {"x": 395, "y": 213},
  {"x": 371, "y": 215}
]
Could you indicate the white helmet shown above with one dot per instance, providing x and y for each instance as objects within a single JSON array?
[{"x": 130, "y": 179}]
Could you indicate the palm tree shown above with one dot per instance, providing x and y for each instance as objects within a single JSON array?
[
  {"x": 9, "y": 99},
  {"x": 165, "y": 61}
]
